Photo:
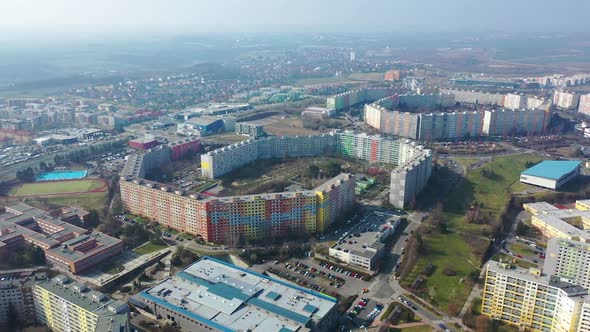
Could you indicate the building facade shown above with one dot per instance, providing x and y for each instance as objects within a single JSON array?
[
  {"x": 510, "y": 122},
  {"x": 16, "y": 290},
  {"x": 345, "y": 100},
  {"x": 182, "y": 148},
  {"x": 569, "y": 260},
  {"x": 515, "y": 101},
  {"x": 566, "y": 100},
  {"x": 532, "y": 301},
  {"x": 249, "y": 129},
  {"x": 66, "y": 306},
  {"x": 475, "y": 97},
  {"x": 584, "y": 105},
  {"x": 237, "y": 219},
  {"x": 395, "y": 115}
]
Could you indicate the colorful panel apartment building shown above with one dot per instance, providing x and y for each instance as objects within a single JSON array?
[{"x": 235, "y": 219}]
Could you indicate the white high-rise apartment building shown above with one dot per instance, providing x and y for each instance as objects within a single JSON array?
[{"x": 533, "y": 301}]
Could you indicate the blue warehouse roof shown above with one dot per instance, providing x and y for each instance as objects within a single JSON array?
[{"x": 552, "y": 169}]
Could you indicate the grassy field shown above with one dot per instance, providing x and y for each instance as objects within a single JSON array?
[
  {"x": 466, "y": 162},
  {"x": 44, "y": 188},
  {"x": 461, "y": 247},
  {"x": 522, "y": 249},
  {"x": 288, "y": 126},
  {"x": 87, "y": 201},
  {"x": 366, "y": 76},
  {"x": 148, "y": 248}
]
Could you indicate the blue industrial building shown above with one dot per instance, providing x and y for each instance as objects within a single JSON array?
[{"x": 551, "y": 174}]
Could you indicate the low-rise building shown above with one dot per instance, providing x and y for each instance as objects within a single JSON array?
[
  {"x": 214, "y": 295},
  {"x": 201, "y": 126},
  {"x": 65, "y": 306},
  {"x": 551, "y": 174},
  {"x": 364, "y": 249},
  {"x": 66, "y": 246},
  {"x": 249, "y": 129},
  {"x": 571, "y": 224},
  {"x": 318, "y": 112},
  {"x": 55, "y": 139}
]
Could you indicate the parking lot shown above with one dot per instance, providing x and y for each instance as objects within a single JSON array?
[{"x": 362, "y": 313}]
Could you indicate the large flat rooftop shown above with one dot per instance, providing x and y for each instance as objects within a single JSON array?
[
  {"x": 563, "y": 219},
  {"x": 369, "y": 239},
  {"x": 552, "y": 169},
  {"x": 232, "y": 298}
]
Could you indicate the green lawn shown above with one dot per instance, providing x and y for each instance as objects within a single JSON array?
[
  {"x": 466, "y": 162},
  {"x": 43, "y": 188},
  {"x": 87, "y": 201},
  {"x": 148, "y": 248},
  {"x": 462, "y": 246},
  {"x": 186, "y": 236},
  {"x": 522, "y": 249}
]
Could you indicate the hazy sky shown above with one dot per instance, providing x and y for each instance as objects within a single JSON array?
[{"x": 178, "y": 16}]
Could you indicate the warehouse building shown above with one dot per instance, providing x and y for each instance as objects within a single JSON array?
[
  {"x": 201, "y": 126},
  {"x": 217, "y": 296},
  {"x": 551, "y": 174}
]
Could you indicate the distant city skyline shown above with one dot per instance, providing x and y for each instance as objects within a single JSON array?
[{"x": 70, "y": 17}]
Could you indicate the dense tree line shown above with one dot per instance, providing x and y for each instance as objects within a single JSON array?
[
  {"x": 26, "y": 175},
  {"x": 92, "y": 220},
  {"x": 25, "y": 256},
  {"x": 183, "y": 257}
]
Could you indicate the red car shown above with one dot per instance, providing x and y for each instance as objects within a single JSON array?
[{"x": 519, "y": 256}]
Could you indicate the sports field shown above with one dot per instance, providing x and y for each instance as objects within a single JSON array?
[{"x": 59, "y": 187}]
